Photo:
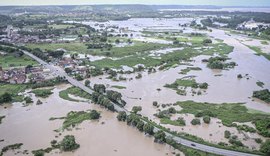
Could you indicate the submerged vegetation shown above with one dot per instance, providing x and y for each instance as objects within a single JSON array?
[
  {"x": 64, "y": 94},
  {"x": 228, "y": 114},
  {"x": 74, "y": 118},
  {"x": 44, "y": 93},
  {"x": 263, "y": 95},
  {"x": 180, "y": 85},
  {"x": 10, "y": 147}
]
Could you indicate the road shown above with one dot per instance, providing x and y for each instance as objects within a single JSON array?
[{"x": 219, "y": 151}]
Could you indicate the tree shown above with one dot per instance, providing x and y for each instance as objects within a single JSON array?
[
  {"x": 79, "y": 77},
  {"x": 100, "y": 88},
  {"x": 160, "y": 136},
  {"x": 206, "y": 119},
  {"x": 117, "y": 41},
  {"x": 265, "y": 147},
  {"x": 196, "y": 122},
  {"x": 28, "y": 99},
  {"x": 94, "y": 114},
  {"x": 6, "y": 97},
  {"x": 136, "y": 109},
  {"x": 87, "y": 83},
  {"x": 140, "y": 125},
  {"x": 239, "y": 76},
  {"x": 207, "y": 41},
  {"x": 69, "y": 143},
  {"x": 227, "y": 134},
  {"x": 203, "y": 85},
  {"x": 176, "y": 42},
  {"x": 155, "y": 103},
  {"x": 148, "y": 129},
  {"x": 122, "y": 116}
]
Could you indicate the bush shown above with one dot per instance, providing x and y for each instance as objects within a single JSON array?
[
  {"x": 207, "y": 41},
  {"x": 203, "y": 85},
  {"x": 69, "y": 143},
  {"x": 206, "y": 119},
  {"x": 160, "y": 136},
  {"x": 94, "y": 114},
  {"x": 140, "y": 125},
  {"x": 227, "y": 134},
  {"x": 258, "y": 140},
  {"x": 265, "y": 147},
  {"x": 136, "y": 109},
  {"x": 6, "y": 97},
  {"x": 87, "y": 83},
  {"x": 262, "y": 95},
  {"x": 196, "y": 122},
  {"x": 28, "y": 99},
  {"x": 236, "y": 142},
  {"x": 148, "y": 129},
  {"x": 239, "y": 76},
  {"x": 155, "y": 103},
  {"x": 122, "y": 116}
]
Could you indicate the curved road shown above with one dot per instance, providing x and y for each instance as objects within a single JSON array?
[{"x": 219, "y": 151}]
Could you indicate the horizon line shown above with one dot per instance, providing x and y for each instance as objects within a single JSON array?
[{"x": 20, "y": 5}]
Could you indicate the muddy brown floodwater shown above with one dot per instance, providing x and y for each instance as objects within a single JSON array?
[
  {"x": 31, "y": 126},
  {"x": 226, "y": 88}
]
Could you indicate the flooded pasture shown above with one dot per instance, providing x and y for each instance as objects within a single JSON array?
[{"x": 31, "y": 126}]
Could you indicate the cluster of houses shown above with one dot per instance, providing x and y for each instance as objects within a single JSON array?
[
  {"x": 73, "y": 66},
  {"x": 252, "y": 25},
  {"x": 24, "y": 75},
  {"x": 12, "y": 34},
  {"x": 13, "y": 76}
]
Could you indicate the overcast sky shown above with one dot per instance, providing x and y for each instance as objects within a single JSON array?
[{"x": 180, "y": 2}]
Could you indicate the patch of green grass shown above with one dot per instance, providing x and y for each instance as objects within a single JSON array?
[
  {"x": 136, "y": 48},
  {"x": 119, "y": 87},
  {"x": 188, "y": 69},
  {"x": 264, "y": 43},
  {"x": 128, "y": 61},
  {"x": 259, "y": 51},
  {"x": 12, "y": 61},
  {"x": 74, "y": 118},
  {"x": 227, "y": 112},
  {"x": 13, "y": 89},
  {"x": 73, "y": 46},
  {"x": 10, "y": 147},
  {"x": 183, "y": 83},
  {"x": 60, "y": 26},
  {"x": 178, "y": 122},
  {"x": 219, "y": 48},
  {"x": 260, "y": 84},
  {"x": 167, "y": 60},
  {"x": 1, "y": 118},
  {"x": 74, "y": 91},
  {"x": 44, "y": 93}
]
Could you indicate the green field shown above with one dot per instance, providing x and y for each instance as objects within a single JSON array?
[
  {"x": 138, "y": 47},
  {"x": 12, "y": 61},
  {"x": 60, "y": 26},
  {"x": 259, "y": 51},
  {"x": 227, "y": 112},
  {"x": 74, "y": 91},
  {"x": 13, "y": 89}
]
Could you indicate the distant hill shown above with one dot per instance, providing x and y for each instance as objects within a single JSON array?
[{"x": 97, "y": 8}]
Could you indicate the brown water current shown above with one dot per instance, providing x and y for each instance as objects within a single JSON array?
[
  {"x": 31, "y": 126},
  {"x": 225, "y": 88}
]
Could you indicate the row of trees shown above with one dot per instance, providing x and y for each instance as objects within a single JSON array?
[{"x": 147, "y": 128}]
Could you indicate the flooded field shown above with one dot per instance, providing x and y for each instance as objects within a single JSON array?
[
  {"x": 31, "y": 126},
  {"x": 224, "y": 87}
]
